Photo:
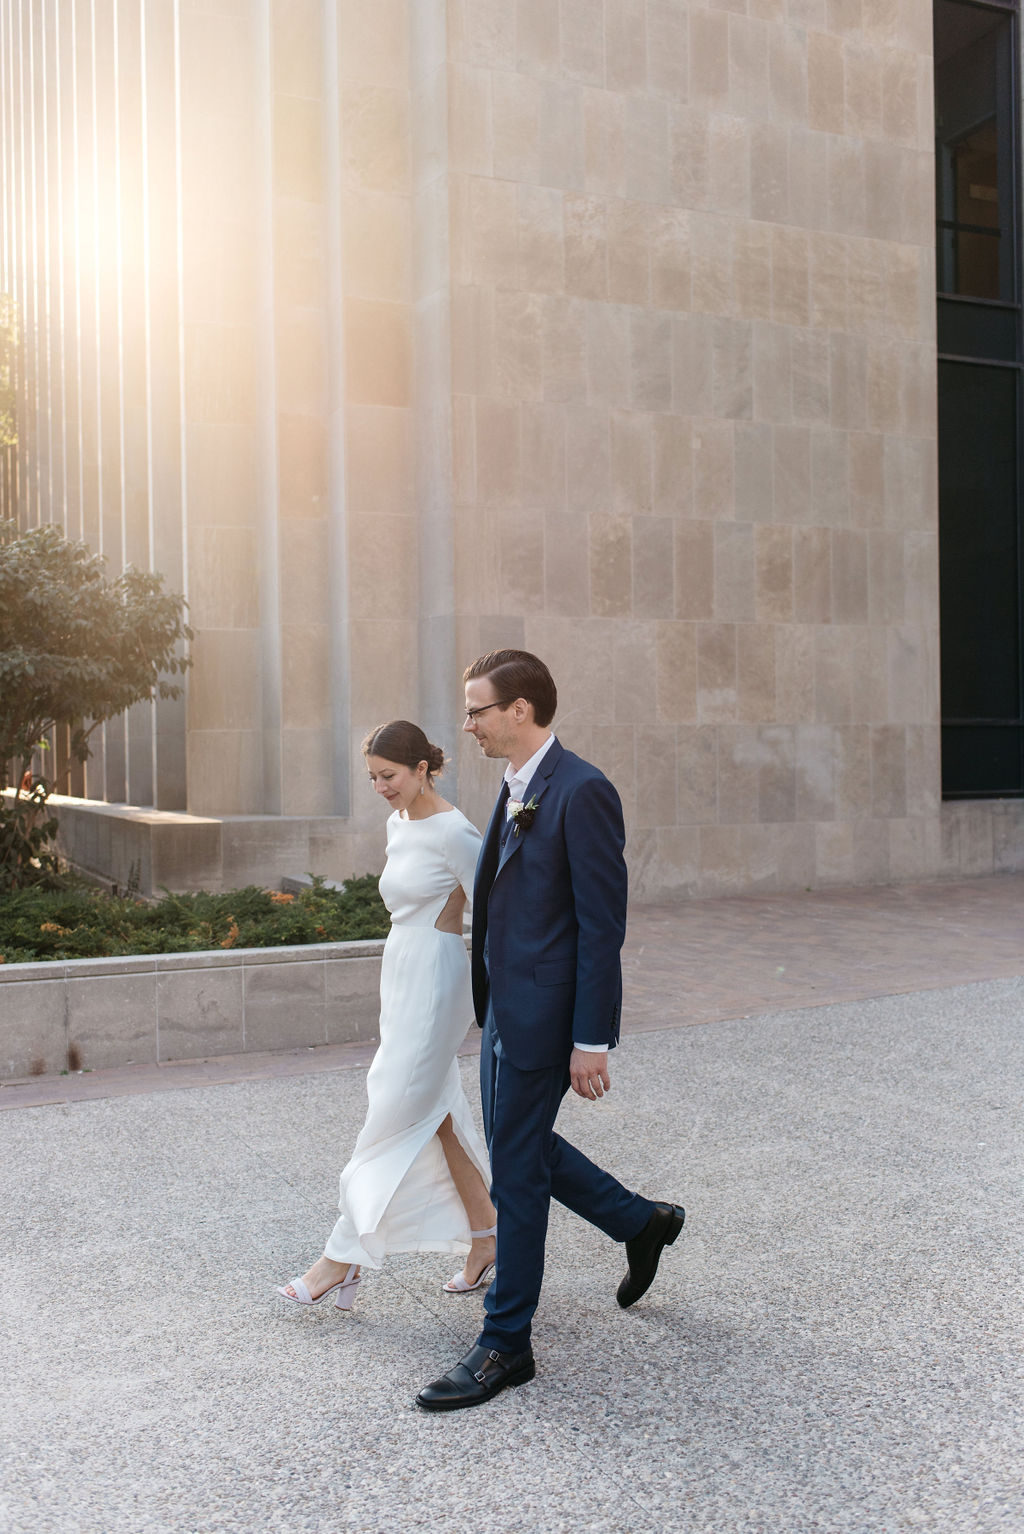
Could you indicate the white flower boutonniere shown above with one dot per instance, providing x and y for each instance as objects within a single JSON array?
[{"x": 521, "y": 815}]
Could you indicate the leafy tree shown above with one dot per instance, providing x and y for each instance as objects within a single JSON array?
[{"x": 76, "y": 648}]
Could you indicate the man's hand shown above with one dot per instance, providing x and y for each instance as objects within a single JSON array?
[{"x": 588, "y": 1070}]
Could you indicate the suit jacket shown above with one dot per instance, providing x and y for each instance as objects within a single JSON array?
[{"x": 549, "y": 912}]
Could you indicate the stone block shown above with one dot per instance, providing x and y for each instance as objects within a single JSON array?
[
  {"x": 655, "y": 776},
  {"x": 611, "y": 565},
  {"x": 373, "y": 37},
  {"x": 305, "y": 676},
  {"x": 517, "y": 105},
  {"x": 633, "y": 674},
  {"x": 672, "y": 466},
  {"x": 199, "y": 1008},
  {"x": 717, "y": 681},
  {"x": 607, "y": 354},
  {"x": 378, "y": 459},
  {"x": 794, "y": 672},
  {"x": 32, "y": 1021},
  {"x": 540, "y": 240},
  {"x": 254, "y": 844},
  {"x": 755, "y": 670},
  {"x": 376, "y": 232},
  {"x": 284, "y": 1004},
  {"x": 470, "y": 129},
  {"x": 564, "y": 357},
  {"x": 888, "y": 771},
  {"x": 714, "y": 469},
  {"x": 773, "y": 574},
  {"x": 586, "y": 247},
  {"x": 721, "y": 860},
  {"x": 352, "y": 998},
  {"x": 668, "y": 50},
  {"x": 225, "y": 772},
  {"x": 224, "y": 686},
  {"x": 648, "y": 160},
  {"x": 383, "y": 569},
  {"x": 729, "y": 164},
  {"x": 650, "y": 360},
  {"x": 562, "y": 158},
  {"x": 112, "y": 1018},
  {"x": 629, "y": 253},
  {"x": 301, "y": 466},
  {"x": 752, "y": 270},
  {"x": 734, "y": 574},
  {"x": 538, "y": 50},
  {"x": 375, "y": 137},
  {"x": 378, "y": 352},
  {"x": 566, "y": 564},
  {"x": 185, "y": 854},
  {"x": 604, "y": 142}
]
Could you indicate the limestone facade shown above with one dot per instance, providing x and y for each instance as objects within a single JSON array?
[{"x": 395, "y": 330}]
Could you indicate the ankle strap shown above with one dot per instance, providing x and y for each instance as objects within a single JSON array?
[{"x": 480, "y": 1233}]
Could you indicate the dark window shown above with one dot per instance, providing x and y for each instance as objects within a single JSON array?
[{"x": 981, "y": 547}]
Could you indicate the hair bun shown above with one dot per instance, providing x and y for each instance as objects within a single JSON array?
[{"x": 404, "y": 742}]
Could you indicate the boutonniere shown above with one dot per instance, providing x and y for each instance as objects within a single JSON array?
[{"x": 521, "y": 815}]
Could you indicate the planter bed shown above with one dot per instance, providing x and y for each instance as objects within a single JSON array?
[{"x": 86, "y": 1014}]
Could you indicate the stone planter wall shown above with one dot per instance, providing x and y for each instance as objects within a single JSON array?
[{"x": 91, "y": 1013}]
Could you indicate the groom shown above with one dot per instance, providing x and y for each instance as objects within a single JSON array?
[{"x": 549, "y": 917}]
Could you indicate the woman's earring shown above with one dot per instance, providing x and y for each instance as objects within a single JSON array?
[{"x": 421, "y": 788}]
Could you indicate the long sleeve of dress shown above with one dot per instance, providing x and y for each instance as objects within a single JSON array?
[{"x": 461, "y": 850}]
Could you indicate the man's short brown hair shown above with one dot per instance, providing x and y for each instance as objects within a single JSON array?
[{"x": 518, "y": 674}]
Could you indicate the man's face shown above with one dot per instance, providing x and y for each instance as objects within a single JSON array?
[{"x": 495, "y": 729}]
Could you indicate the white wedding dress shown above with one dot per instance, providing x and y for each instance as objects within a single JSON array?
[{"x": 397, "y": 1194}]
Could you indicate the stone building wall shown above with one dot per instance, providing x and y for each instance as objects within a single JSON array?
[{"x": 393, "y": 330}]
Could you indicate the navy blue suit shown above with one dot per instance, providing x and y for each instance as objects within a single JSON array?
[{"x": 549, "y": 918}]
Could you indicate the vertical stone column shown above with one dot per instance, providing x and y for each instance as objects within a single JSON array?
[
  {"x": 302, "y": 362},
  {"x": 221, "y": 94},
  {"x": 373, "y": 66}
]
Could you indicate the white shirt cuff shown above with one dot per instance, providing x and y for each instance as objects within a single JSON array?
[{"x": 593, "y": 1049}]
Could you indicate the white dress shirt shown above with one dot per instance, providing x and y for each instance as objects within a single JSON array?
[{"x": 518, "y": 780}]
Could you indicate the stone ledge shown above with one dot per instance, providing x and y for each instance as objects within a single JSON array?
[{"x": 89, "y": 1014}]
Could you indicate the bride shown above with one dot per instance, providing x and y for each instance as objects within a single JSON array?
[{"x": 418, "y": 1177}]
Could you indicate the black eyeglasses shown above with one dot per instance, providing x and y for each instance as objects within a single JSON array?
[{"x": 471, "y": 713}]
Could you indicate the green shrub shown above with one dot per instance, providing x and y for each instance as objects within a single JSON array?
[{"x": 86, "y": 924}]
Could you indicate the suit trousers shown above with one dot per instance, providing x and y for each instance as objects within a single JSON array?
[{"x": 530, "y": 1165}]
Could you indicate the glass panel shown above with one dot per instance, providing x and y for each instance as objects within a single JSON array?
[
  {"x": 974, "y": 151},
  {"x": 978, "y": 535},
  {"x": 979, "y": 760},
  {"x": 968, "y": 329}
]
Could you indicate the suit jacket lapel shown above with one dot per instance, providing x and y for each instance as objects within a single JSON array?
[
  {"x": 487, "y": 867},
  {"x": 537, "y": 788}
]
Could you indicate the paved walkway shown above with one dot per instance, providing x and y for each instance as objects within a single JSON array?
[
  {"x": 701, "y": 962},
  {"x": 833, "y": 1345}
]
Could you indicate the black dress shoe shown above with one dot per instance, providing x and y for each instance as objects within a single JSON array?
[
  {"x": 480, "y": 1375},
  {"x": 644, "y": 1251}
]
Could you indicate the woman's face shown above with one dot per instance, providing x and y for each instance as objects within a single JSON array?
[{"x": 397, "y": 784}]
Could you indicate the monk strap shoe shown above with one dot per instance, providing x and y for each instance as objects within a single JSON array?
[{"x": 478, "y": 1377}]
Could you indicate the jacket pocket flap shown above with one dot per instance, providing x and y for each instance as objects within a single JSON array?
[{"x": 555, "y": 972}]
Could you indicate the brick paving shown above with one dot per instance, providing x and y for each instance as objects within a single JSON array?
[
  {"x": 701, "y": 962},
  {"x": 704, "y": 961}
]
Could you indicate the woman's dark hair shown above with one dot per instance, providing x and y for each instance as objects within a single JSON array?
[
  {"x": 518, "y": 674},
  {"x": 404, "y": 743}
]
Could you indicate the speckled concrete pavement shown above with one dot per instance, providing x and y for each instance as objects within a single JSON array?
[{"x": 832, "y": 1345}]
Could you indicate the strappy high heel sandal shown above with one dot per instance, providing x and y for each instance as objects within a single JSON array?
[
  {"x": 344, "y": 1291},
  {"x": 457, "y": 1283}
]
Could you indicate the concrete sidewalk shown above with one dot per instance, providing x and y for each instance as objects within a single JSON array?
[{"x": 833, "y": 1344}]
